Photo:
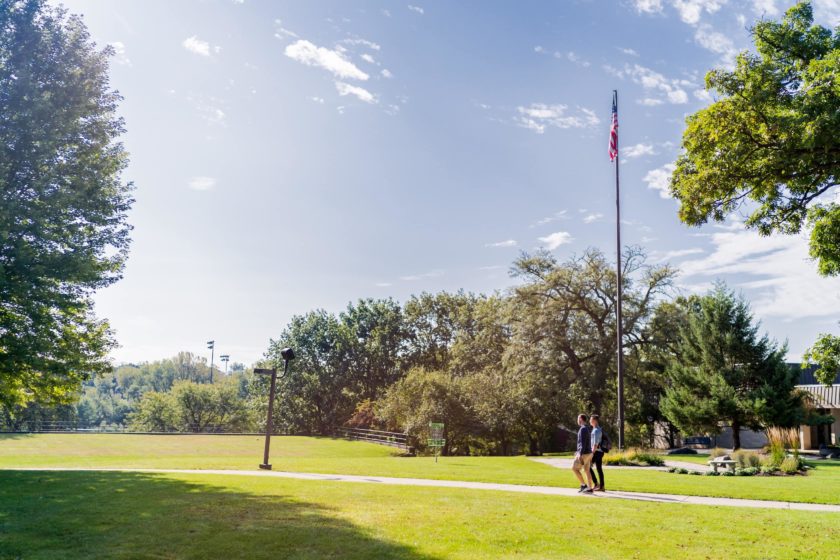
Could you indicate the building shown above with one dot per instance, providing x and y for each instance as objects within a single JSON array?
[{"x": 826, "y": 400}]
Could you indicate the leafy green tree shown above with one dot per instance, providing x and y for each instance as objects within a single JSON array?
[
  {"x": 825, "y": 353},
  {"x": 63, "y": 229},
  {"x": 155, "y": 412},
  {"x": 202, "y": 407},
  {"x": 724, "y": 372},
  {"x": 770, "y": 137},
  {"x": 422, "y": 397}
]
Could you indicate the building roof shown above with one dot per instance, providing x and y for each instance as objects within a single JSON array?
[{"x": 806, "y": 375}]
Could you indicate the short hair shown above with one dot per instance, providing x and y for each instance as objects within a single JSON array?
[
  {"x": 581, "y": 417},
  {"x": 595, "y": 417}
]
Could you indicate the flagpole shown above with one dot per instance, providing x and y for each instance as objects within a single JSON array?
[{"x": 618, "y": 322}]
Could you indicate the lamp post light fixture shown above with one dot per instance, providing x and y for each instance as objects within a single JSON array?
[
  {"x": 211, "y": 345},
  {"x": 225, "y": 358},
  {"x": 288, "y": 355}
]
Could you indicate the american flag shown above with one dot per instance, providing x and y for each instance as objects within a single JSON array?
[{"x": 614, "y": 130}]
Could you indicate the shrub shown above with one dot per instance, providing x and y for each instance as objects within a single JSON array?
[
  {"x": 681, "y": 471},
  {"x": 791, "y": 465},
  {"x": 746, "y": 458},
  {"x": 672, "y": 469},
  {"x": 727, "y": 473},
  {"x": 634, "y": 458},
  {"x": 695, "y": 473},
  {"x": 717, "y": 452},
  {"x": 781, "y": 439},
  {"x": 747, "y": 471},
  {"x": 711, "y": 473},
  {"x": 768, "y": 469}
]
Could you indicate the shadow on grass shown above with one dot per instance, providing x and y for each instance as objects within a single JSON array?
[{"x": 133, "y": 515}]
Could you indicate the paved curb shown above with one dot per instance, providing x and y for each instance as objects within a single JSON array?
[{"x": 545, "y": 490}]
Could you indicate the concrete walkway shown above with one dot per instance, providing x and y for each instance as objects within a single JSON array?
[{"x": 547, "y": 490}]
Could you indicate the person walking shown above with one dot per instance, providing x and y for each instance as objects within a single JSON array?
[
  {"x": 583, "y": 456},
  {"x": 597, "y": 452}
]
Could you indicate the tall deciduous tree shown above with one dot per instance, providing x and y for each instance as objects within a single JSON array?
[
  {"x": 63, "y": 205},
  {"x": 770, "y": 137},
  {"x": 724, "y": 372}
]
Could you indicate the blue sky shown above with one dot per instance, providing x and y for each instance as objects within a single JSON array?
[{"x": 298, "y": 155}]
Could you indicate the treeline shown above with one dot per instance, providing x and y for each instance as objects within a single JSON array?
[{"x": 506, "y": 373}]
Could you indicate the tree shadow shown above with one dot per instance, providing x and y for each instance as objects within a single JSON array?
[{"x": 135, "y": 515}]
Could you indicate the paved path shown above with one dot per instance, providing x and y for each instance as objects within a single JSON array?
[
  {"x": 548, "y": 490},
  {"x": 566, "y": 463}
]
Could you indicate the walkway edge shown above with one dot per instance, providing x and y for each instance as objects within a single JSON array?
[{"x": 545, "y": 490}]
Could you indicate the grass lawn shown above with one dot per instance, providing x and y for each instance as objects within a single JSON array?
[
  {"x": 68, "y": 515},
  {"x": 324, "y": 455}
]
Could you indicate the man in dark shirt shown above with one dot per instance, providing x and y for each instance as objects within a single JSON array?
[{"x": 583, "y": 456}]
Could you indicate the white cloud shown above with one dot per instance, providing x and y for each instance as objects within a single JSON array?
[
  {"x": 362, "y": 42},
  {"x": 574, "y": 58},
  {"x": 658, "y": 179},
  {"x": 119, "y": 53},
  {"x": 703, "y": 95},
  {"x": 561, "y": 215},
  {"x": 670, "y": 90},
  {"x": 209, "y": 108},
  {"x": 539, "y": 116},
  {"x": 333, "y": 61},
  {"x": 776, "y": 269},
  {"x": 197, "y": 46},
  {"x": 648, "y": 6},
  {"x": 368, "y": 58},
  {"x": 425, "y": 275},
  {"x": 319, "y": 100},
  {"x": 201, "y": 183},
  {"x": 690, "y": 11},
  {"x": 506, "y": 243},
  {"x": 827, "y": 10},
  {"x": 650, "y": 102},
  {"x": 417, "y": 9},
  {"x": 663, "y": 256},
  {"x": 556, "y": 239},
  {"x": 282, "y": 31},
  {"x": 715, "y": 42},
  {"x": 765, "y": 7},
  {"x": 593, "y": 217},
  {"x": 386, "y": 73},
  {"x": 347, "y": 89},
  {"x": 637, "y": 150},
  {"x": 629, "y": 52}
]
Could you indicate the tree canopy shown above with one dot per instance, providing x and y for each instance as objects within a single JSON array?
[
  {"x": 723, "y": 371},
  {"x": 63, "y": 229},
  {"x": 770, "y": 138}
]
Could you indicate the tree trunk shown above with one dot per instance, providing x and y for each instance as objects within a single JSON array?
[{"x": 736, "y": 435}]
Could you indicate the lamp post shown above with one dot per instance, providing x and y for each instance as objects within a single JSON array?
[
  {"x": 211, "y": 345},
  {"x": 225, "y": 358},
  {"x": 288, "y": 355}
]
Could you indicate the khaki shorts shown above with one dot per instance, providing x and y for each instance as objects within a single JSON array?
[{"x": 582, "y": 462}]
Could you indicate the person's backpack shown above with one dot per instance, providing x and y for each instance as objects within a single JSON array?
[{"x": 606, "y": 444}]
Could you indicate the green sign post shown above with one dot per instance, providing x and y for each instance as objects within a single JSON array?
[{"x": 436, "y": 440}]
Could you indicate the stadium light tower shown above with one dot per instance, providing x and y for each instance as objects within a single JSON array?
[
  {"x": 225, "y": 358},
  {"x": 288, "y": 355},
  {"x": 211, "y": 345}
]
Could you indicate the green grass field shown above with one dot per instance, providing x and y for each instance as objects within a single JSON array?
[
  {"x": 324, "y": 455},
  {"x": 98, "y": 515}
]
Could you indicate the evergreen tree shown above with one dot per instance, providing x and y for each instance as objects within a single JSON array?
[{"x": 725, "y": 372}]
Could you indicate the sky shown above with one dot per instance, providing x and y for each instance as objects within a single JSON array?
[{"x": 289, "y": 156}]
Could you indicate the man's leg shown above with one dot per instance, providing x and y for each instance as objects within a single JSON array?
[
  {"x": 587, "y": 465},
  {"x": 598, "y": 459},
  {"x": 576, "y": 466},
  {"x": 591, "y": 471}
]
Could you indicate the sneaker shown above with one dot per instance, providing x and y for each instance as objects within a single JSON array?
[
  {"x": 587, "y": 491},
  {"x": 582, "y": 488},
  {"x": 600, "y": 488}
]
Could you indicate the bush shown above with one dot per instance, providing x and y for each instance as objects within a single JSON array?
[
  {"x": 768, "y": 469},
  {"x": 695, "y": 473},
  {"x": 717, "y": 452},
  {"x": 791, "y": 465},
  {"x": 747, "y": 471},
  {"x": 711, "y": 473},
  {"x": 634, "y": 458},
  {"x": 746, "y": 458},
  {"x": 727, "y": 473}
]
